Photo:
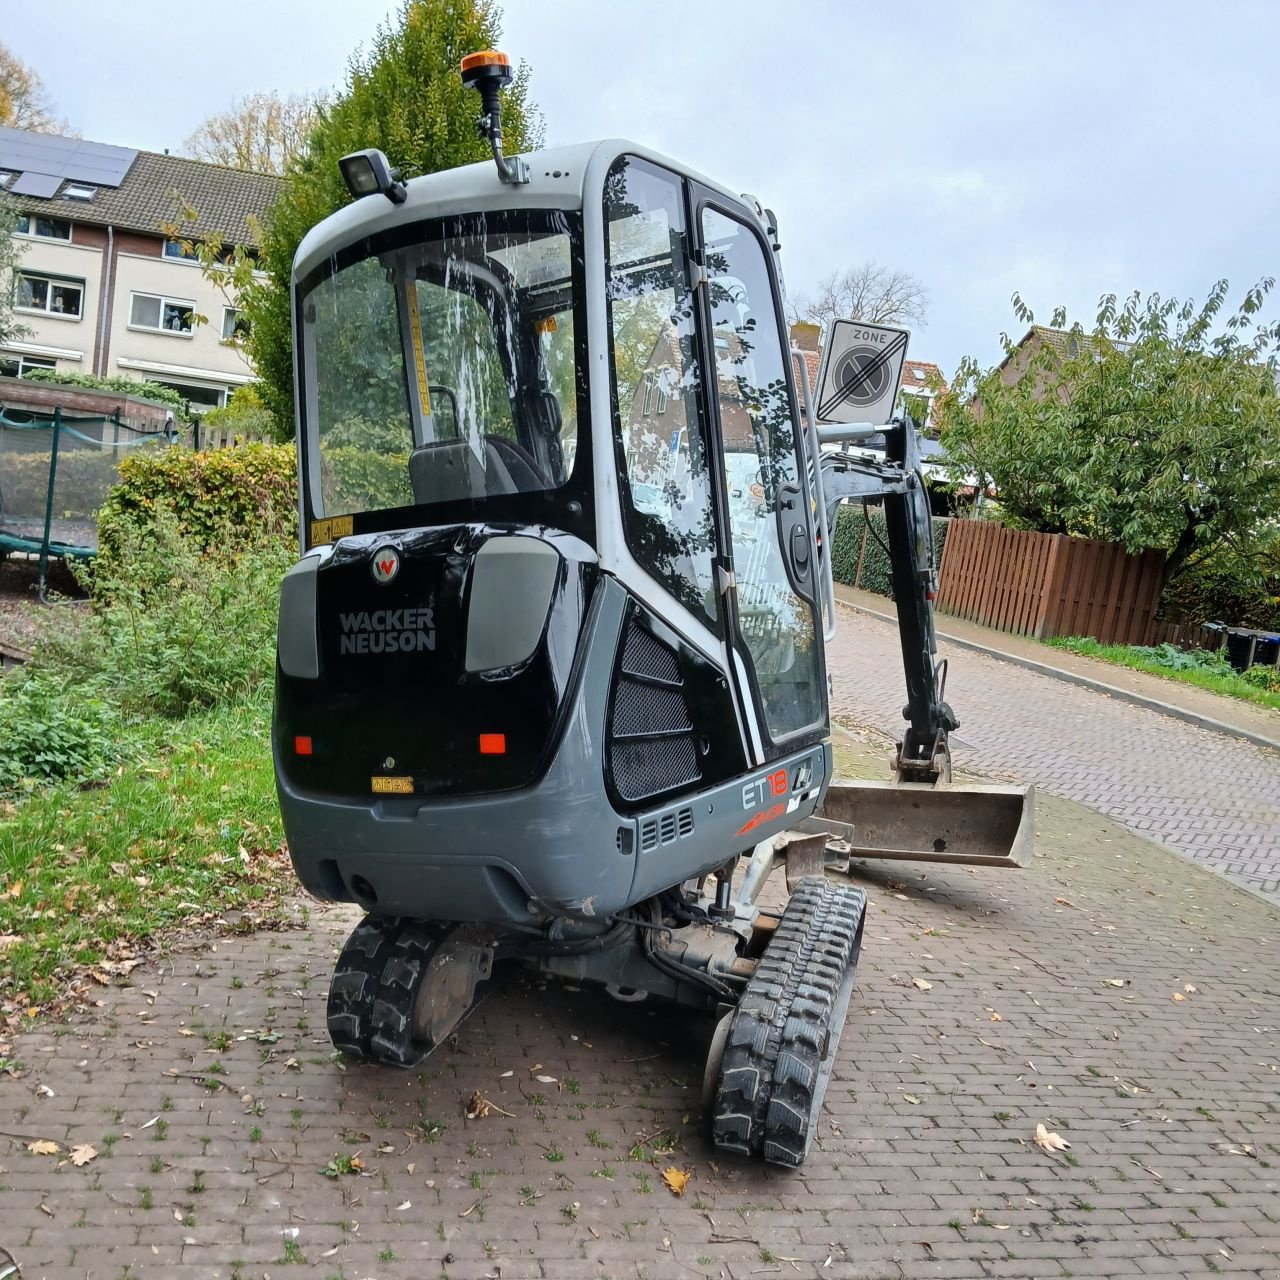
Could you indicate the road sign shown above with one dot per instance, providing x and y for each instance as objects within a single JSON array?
[{"x": 861, "y": 372}]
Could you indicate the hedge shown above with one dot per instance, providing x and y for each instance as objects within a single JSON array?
[
  {"x": 846, "y": 540},
  {"x": 252, "y": 489}
]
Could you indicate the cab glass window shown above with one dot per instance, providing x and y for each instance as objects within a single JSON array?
[{"x": 659, "y": 432}]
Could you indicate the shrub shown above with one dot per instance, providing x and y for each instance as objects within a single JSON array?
[
  {"x": 175, "y": 628},
  {"x": 245, "y": 413},
  {"x": 251, "y": 489},
  {"x": 53, "y": 726},
  {"x": 125, "y": 386},
  {"x": 846, "y": 539},
  {"x": 1267, "y": 678},
  {"x": 1242, "y": 590}
]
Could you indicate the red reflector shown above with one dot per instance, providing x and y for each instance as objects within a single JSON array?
[
  {"x": 493, "y": 744},
  {"x": 302, "y": 746}
]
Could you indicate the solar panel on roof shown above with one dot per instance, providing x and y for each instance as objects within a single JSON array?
[
  {"x": 55, "y": 157},
  {"x": 42, "y": 185}
]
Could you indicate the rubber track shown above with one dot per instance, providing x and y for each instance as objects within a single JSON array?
[
  {"x": 354, "y": 986},
  {"x": 782, "y": 1041},
  {"x": 391, "y": 1041}
]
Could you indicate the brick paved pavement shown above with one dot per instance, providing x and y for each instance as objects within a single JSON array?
[
  {"x": 1206, "y": 795},
  {"x": 924, "y": 1165}
]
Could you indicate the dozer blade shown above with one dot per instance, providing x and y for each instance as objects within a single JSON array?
[{"x": 972, "y": 824}]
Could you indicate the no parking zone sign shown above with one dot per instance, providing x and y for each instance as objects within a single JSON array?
[{"x": 861, "y": 372}]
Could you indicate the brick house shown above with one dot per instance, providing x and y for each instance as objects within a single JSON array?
[{"x": 99, "y": 287}]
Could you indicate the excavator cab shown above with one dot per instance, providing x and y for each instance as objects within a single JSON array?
[{"x": 551, "y": 664}]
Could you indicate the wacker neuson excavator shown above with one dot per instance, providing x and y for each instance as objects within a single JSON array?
[{"x": 552, "y": 679}]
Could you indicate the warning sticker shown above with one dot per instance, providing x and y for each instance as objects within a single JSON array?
[
  {"x": 326, "y": 531},
  {"x": 392, "y": 786}
]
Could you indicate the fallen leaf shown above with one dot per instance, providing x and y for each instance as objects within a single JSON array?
[
  {"x": 1115, "y": 982},
  {"x": 44, "y": 1208},
  {"x": 1064, "y": 902},
  {"x": 506, "y": 1074},
  {"x": 8, "y": 940},
  {"x": 995, "y": 1017},
  {"x": 153, "y": 1120},
  {"x": 44, "y": 1091},
  {"x": 1189, "y": 989},
  {"x": 1050, "y": 1141},
  {"x": 676, "y": 1179},
  {"x": 409, "y": 1168},
  {"x": 921, "y": 984},
  {"x": 546, "y": 1079},
  {"x": 43, "y": 1147},
  {"x": 400, "y": 1208},
  {"x": 1179, "y": 998},
  {"x": 911, "y": 1098},
  {"x": 80, "y": 1156}
]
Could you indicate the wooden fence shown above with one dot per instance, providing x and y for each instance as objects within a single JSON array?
[
  {"x": 1187, "y": 635},
  {"x": 1044, "y": 585},
  {"x": 224, "y": 438}
]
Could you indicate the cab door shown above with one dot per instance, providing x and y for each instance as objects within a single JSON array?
[{"x": 772, "y": 619}]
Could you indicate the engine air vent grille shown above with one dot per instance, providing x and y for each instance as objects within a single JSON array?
[
  {"x": 651, "y": 744},
  {"x": 666, "y": 828}
]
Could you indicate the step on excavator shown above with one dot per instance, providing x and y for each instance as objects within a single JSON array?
[{"x": 552, "y": 680}]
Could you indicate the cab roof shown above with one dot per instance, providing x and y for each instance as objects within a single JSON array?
[{"x": 557, "y": 180}]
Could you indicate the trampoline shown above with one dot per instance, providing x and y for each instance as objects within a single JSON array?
[{"x": 55, "y": 473}]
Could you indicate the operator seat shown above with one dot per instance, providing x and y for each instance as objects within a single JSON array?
[{"x": 450, "y": 470}]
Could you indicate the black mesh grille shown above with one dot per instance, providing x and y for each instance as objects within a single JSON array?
[
  {"x": 644, "y": 655},
  {"x": 652, "y": 748},
  {"x": 647, "y": 766},
  {"x": 644, "y": 708}
]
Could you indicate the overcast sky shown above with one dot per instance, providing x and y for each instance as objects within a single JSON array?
[{"x": 1060, "y": 149}]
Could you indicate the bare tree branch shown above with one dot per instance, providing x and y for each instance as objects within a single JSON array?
[
  {"x": 261, "y": 132},
  {"x": 868, "y": 292}
]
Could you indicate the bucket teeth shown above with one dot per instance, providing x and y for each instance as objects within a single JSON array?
[{"x": 782, "y": 1041}]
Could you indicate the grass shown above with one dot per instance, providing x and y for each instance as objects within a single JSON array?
[
  {"x": 187, "y": 830},
  {"x": 1204, "y": 670}
]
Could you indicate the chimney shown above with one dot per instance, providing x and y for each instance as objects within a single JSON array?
[{"x": 806, "y": 336}]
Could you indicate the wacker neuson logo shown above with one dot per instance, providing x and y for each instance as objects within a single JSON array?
[{"x": 388, "y": 631}]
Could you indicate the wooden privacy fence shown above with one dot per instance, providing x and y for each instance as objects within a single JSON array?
[
  {"x": 1047, "y": 584},
  {"x": 204, "y": 437}
]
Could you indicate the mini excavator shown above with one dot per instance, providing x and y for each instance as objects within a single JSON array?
[{"x": 552, "y": 679}]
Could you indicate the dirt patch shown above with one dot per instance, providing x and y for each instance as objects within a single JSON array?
[{"x": 22, "y": 616}]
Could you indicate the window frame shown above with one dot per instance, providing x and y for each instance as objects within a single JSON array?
[
  {"x": 238, "y": 312},
  {"x": 165, "y": 301},
  {"x": 25, "y": 361},
  {"x": 32, "y": 219},
  {"x": 53, "y": 281},
  {"x": 192, "y": 258}
]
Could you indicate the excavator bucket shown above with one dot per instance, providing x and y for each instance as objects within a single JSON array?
[{"x": 970, "y": 824}]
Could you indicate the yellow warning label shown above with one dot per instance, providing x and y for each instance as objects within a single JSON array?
[
  {"x": 392, "y": 786},
  {"x": 326, "y": 531},
  {"x": 419, "y": 360}
]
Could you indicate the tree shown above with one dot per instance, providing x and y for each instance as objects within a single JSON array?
[
  {"x": 24, "y": 104},
  {"x": 262, "y": 132},
  {"x": 1158, "y": 429},
  {"x": 403, "y": 95},
  {"x": 868, "y": 292},
  {"x": 9, "y": 328}
]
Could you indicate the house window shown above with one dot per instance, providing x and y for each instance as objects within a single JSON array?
[
  {"x": 47, "y": 228},
  {"x": 76, "y": 191},
  {"x": 12, "y": 366},
  {"x": 235, "y": 324},
  {"x": 181, "y": 249},
  {"x": 167, "y": 315},
  {"x": 48, "y": 293}
]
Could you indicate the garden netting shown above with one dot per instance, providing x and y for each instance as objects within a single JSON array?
[{"x": 55, "y": 473}]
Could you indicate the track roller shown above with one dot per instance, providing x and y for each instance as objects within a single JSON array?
[{"x": 782, "y": 1039}]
